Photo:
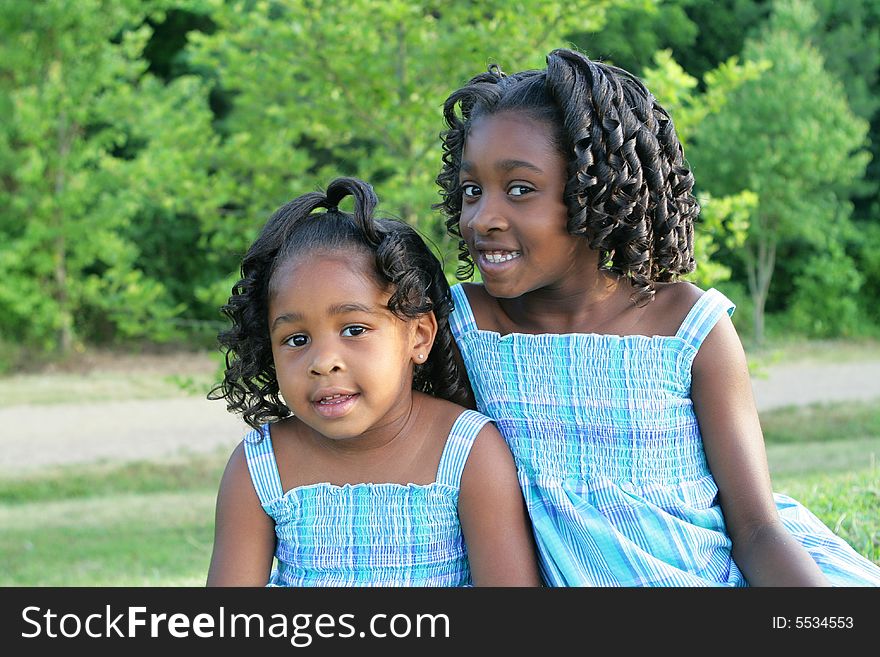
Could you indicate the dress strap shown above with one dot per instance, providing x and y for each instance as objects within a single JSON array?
[
  {"x": 458, "y": 446},
  {"x": 461, "y": 319},
  {"x": 262, "y": 465},
  {"x": 703, "y": 316}
]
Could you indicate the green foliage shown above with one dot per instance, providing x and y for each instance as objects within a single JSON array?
[
  {"x": 864, "y": 241},
  {"x": 723, "y": 222},
  {"x": 850, "y": 43},
  {"x": 635, "y": 30},
  {"x": 825, "y": 302},
  {"x": 90, "y": 138},
  {"x": 145, "y": 142},
  {"x": 790, "y": 137},
  {"x": 722, "y": 27},
  {"x": 321, "y": 89}
]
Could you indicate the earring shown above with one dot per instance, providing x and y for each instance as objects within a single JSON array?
[{"x": 421, "y": 356}]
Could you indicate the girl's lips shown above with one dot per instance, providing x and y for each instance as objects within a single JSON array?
[{"x": 335, "y": 406}]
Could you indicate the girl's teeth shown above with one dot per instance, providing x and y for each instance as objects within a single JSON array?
[
  {"x": 332, "y": 398},
  {"x": 501, "y": 256}
]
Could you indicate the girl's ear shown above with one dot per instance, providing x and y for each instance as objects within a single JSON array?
[{"x": 424, "y": 332}]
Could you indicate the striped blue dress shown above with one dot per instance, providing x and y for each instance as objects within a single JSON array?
[
  {"x": 367, "y": 534},
  {"x": 610, "y": 457}
]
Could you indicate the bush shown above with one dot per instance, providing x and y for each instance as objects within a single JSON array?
[{"x": 825, "y": 303}]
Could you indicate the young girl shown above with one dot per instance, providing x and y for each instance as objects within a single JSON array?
[
  {"x": 623, "y": 395},
  {"x": 361, "y": 470}
]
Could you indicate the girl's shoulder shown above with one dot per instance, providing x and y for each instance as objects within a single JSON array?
[
  {"x": 663, "y": 315},
  {"x": 438, "y": 415},
  {"x": 671, "y": 305},
  {"x": 483, "y": 306},
  {"x": 475, "y": 293},
  {"x": 446, "y": 420}
]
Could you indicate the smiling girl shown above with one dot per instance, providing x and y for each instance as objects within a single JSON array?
[{"x": 622, "y": 390}]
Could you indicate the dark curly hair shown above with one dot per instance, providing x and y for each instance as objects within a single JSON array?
[
  {"x": 403, "y": 262},
  {"x": 629, "y": 189}
]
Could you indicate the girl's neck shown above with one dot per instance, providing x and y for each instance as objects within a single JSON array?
[{"x": 581, "y": 306}]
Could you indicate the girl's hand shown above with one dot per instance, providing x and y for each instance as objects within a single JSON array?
[{"x": 766, "y": 553}]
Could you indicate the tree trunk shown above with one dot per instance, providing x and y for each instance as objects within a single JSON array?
[
  {"x": 66, "y": 333},
  {"x": 760, "y": 262}
]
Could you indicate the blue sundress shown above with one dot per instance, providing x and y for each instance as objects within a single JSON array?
[
  {"x": 367, "y": 534},
  {"x": 610, "y": 457}
]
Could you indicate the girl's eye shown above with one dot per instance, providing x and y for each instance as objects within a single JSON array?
[
  {"x": 298, "y": 340},
  {"x": 470, "y": 190},
  {"x": 520, "y": 190},
  {"x": 353, "y": 331}
]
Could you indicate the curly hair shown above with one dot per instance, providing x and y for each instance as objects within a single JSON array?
[
  {"x": 628, "y": 189},
  {"x": 403, "y": 263}
]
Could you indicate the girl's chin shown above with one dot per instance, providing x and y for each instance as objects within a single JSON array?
[{"x": 501, "y": 290}]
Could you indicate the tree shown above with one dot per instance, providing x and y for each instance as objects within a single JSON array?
[
  {"x": 790, "y": 137},
  {"x": 848, "y": 36},
  {"x": 321, "y": 89},
  {"x": 722, "y": 28},
  {"x": 90, "y": 136},
  {"x": 634, "y": 31}
]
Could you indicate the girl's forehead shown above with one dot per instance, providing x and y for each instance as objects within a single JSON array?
[
  {"x": 311, "y": 266},
  {"x": 509, "y": 117},
  {"x": 313, "y": 256},
  {"x": 510, "y": 137}
]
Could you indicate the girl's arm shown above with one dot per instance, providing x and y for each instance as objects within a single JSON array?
[
  {"x": 766, "y": 553},
  {"x": 493, "y": 515},
  {"x": 244, "y": 536}
]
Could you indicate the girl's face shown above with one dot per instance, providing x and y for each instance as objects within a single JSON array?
[
  {"x": 513, "y": 218},
  {"x": 344, "y": 362}
]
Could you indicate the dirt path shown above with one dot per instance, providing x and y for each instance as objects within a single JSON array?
[
  {"x": 809, "y": 383},
  {"x": 32, "y": 437}
]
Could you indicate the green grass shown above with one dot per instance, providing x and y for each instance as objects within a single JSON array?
[
  {"x": 99, "y": 386},
  {"x": 827, "y": 457},
  {"x": 197, "y": 473},
  {"x": 822, "y": 423},
  {"x": 138, "y": 524},
  {"x": 822, "y": 438},
  {"x": 113, "y": 376},
  {"x": 146, "y": 539},
  {"x": 848, "y": 503}
]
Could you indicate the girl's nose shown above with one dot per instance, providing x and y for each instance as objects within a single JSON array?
[
  {"x": 487, "y": 215},
  {"x": 325, "y": 360}
]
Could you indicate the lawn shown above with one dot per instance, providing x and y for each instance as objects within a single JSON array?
[{"x": 138, "y": 524}]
